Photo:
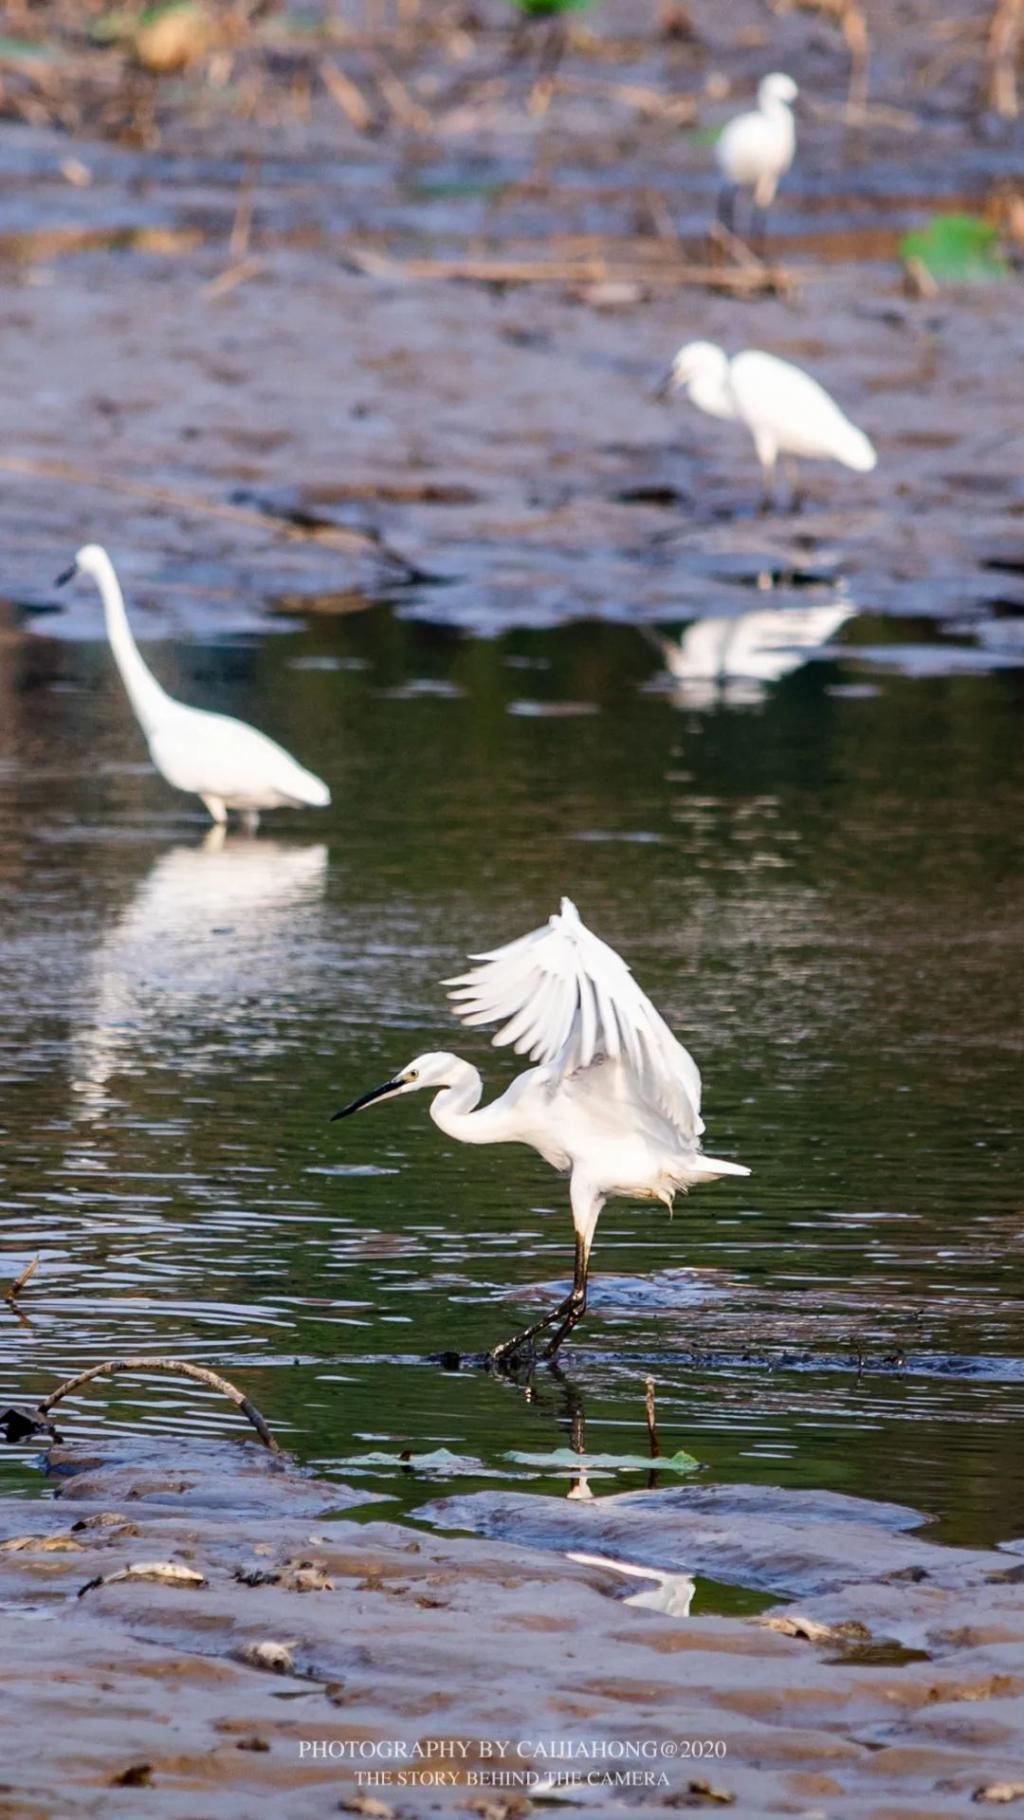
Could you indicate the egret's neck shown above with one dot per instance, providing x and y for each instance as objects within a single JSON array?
[
  {"x": 144, "y": 692},
  {"x": 710, "y": 391},
  {"x": 781, "y": 116},
  {"x": 454, "y": 1109}
]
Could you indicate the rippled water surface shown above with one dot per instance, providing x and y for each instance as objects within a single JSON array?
[{"x": 820, "y": 884}]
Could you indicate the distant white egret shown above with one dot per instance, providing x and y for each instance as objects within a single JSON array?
[
  {"x": 729, "y": 659},
  {"x": 755, "y": 150},
  {"x": 223, "y": 761},
  {"x": 786, "y": 411},
  {"x": 614, "y": 1102}
]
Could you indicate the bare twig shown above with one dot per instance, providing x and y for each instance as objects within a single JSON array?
[
  {"x": 404, "y": 110},
  {"x": 850, "y": 17},
  {"x": 661, "y": 218},
  {"x": 735, "y": 247},
  {"x": 13, "y": 1290},
  {"x": 1002, "y": 53},
  {"x": 652, "y": 1420},
  {"x": 177, "y": 1368},
  {"x": 231, "y": 277},
  {"x": 743, "y": 280},
  {"x": 336, "y": 537},
  {"x": 351, "y": 100},
  {"x": 650, "y": 103},
  {"x": 241, "y": 226}
]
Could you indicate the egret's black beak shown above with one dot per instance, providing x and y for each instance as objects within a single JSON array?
[
  {"x": 665, "y": 387},
  {"x": 367, "y": 1099},
  {"x": 66, "y": 575}
]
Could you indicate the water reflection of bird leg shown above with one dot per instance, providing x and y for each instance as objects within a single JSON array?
[
  {"x": 214, "y": 838},
  {"x": 250, "y": 821},
  {"x": 520, "y": 1348},
  {"x": 575, "y": 1410},
  {"x": 766, "y": 505},
  {"x": 215, "y": 808}
]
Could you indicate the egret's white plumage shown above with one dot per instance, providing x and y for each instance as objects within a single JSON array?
[
  {"x": 614, "y": 1099},
  {"x": 755, "y": 150},
  {"x": 732, "y": 658},
  {"x": 224, "y": 761},
  {"x": 786, "y": 411}
]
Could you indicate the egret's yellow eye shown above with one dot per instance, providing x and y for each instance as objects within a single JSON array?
[{"x": 412, "y": 1074}]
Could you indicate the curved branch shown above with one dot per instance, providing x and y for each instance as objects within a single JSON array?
[{"x": 177, "y": 1368}]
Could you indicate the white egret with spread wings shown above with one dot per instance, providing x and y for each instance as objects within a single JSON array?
[{"x": 614, "y": 1100}]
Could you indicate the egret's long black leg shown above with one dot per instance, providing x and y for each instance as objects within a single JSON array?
[
  {"x": 575, "y": 1305},
  {"x": 768, "y": 500},
  {"x": 796, "y": 494},
  {"x": 563, "y": 1318},
  {"x": 727, "y": 206}
]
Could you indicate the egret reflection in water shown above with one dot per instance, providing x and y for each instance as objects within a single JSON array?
[
  {"x": 727, "y": 660},
  {"x": 668, "y": 1593},
  {"x": 211, "y": 930}
]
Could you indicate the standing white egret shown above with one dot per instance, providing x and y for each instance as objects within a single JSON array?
[
  {"x": 786, "y": 411},
  {"x": 223, "y": 761},
  {"x": 755, "y": 150},
  {"x": 614, "y": 1101}
]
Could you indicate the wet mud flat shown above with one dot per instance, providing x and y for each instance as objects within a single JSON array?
[
  {"x": 284, "y": 355},
  {"x": 184, "y": 1623}
]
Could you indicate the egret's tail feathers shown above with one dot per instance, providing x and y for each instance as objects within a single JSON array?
[
  {"x": 707, "y": 1168},
  {"x": 314, "y": 791},
  {"x": 855, "y": 451}
]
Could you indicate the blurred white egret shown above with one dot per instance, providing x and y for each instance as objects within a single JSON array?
[
  {"x": 730, "y": 659},
  {"x": 755, "y": 150},
  {"x": 614, "y": 1102},
  {"x": 786, "y": 411},
  {"x": 223, "y": 761}
]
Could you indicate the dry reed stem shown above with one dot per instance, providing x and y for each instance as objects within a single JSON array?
[
  {"x": 740, "y": 280},
  {"x": 335, "y": 537},
  {"x": 1002, "y": 54}
]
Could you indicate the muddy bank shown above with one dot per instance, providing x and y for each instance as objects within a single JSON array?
[
  {"x": 276, "y": 1623},
  {"x": 256, "y": 337}
]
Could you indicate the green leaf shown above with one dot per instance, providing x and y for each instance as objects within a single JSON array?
[
  {"x": 550, "y": 9},
  {"x": 957, "y": 249},
  {"x": 440, "y": 1460},
  {"x": 562, "y": 1457}
]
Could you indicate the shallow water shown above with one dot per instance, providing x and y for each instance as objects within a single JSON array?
[
  {"x": 819, "y": 882},
  {"x": 818, "y": 876}
]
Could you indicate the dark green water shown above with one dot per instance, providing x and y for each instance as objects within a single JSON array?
[{"x": 822, "y": 892}]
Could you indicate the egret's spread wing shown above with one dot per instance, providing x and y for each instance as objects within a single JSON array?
[{"x": 564, "y": 998}]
